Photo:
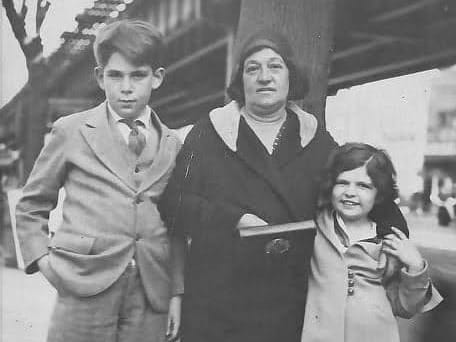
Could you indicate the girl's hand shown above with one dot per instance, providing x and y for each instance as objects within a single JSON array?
[{"x": 399, "y": 246}]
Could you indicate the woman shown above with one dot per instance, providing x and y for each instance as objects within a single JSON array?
[{"x": 252, "y": 162}]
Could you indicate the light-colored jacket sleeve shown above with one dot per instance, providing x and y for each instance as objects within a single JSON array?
[
  {"x": 40, "y": 195},
  {"x": 410, "y": 294}
]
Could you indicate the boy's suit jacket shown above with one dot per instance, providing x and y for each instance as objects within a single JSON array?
[{"x": 107, "y": 219}]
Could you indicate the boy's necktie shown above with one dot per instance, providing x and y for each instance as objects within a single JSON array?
[{"x": 136, "y": 139}]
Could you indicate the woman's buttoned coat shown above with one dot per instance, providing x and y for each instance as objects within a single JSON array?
[{"x": 234, "y": 290}]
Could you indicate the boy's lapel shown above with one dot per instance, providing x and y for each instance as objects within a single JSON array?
[{"x": 100, "y": 138}]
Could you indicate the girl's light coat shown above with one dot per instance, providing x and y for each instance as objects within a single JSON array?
[{"x": 349, "y": 298}]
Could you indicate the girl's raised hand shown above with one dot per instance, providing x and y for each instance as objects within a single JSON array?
[{"x": 401, "y": 247}]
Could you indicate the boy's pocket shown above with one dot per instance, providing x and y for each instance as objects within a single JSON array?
[{"x": 72, "y": 242}]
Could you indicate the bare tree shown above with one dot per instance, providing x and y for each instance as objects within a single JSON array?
[
  {"x": 31, "y": 46},
  {"x": 34, "y": 97}
]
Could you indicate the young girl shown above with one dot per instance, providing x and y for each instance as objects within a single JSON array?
[{"x": 362, "y": 275}]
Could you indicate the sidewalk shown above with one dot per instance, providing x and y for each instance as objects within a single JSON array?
[{"x": 26, "y": 305}]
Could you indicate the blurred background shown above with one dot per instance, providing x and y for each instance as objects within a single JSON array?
[{"x": 391, "y": 83}]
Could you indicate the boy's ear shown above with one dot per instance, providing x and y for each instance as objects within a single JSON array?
[
  {"x": 98, "y": 71},
  {"x": 159, "y": 76}
]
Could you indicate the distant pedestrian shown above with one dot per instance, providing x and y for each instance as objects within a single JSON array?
[
  {"x": 362, "y": 273},
  {"x": 110, "y": 259},
  {"x": 443, "y": 196}
]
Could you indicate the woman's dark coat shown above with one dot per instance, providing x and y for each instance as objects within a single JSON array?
[{"x": 234, "y": 291}]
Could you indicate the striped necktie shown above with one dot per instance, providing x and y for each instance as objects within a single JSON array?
[{"x": 136, "y": 139}]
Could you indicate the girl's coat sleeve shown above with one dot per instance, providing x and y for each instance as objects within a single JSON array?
[{"x": 410, "y": 294}]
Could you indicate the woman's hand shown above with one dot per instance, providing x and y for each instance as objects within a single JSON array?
[
  {"x": 399, "y": 246},
  {"x": 174, "y": 318},
  {"x": 250, "y": 220}
]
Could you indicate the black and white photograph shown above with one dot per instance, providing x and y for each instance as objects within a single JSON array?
[{"x": 227, "y": 171}]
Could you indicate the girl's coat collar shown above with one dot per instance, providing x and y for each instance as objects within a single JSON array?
[{"x": 226, "y": 123}]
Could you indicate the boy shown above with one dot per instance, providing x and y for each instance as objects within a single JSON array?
[{"x": 109, "y": 260}]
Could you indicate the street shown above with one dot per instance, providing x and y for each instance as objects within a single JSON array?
[{"x": 27, "y": 301}]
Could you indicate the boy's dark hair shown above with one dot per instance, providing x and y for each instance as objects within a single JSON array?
[
  {"x": 259, "y": 40},
  {"x": 351, "y": 156},
  {"x": 138, "y": 41}
]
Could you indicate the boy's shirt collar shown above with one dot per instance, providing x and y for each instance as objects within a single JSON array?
[{"x": 144, "y": 117}]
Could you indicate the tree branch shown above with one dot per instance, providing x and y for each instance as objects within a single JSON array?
[
  {"x": 32, "y": 47},
  {"x": 42, "y": 7},
  {"x": 24, "y": 10},
  {"x": 16, "y": 21}
]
